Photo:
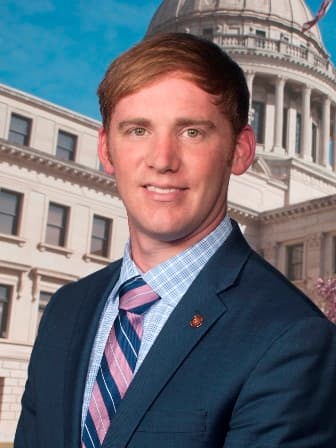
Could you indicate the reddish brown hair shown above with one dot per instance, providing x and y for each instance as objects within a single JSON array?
[{"x": 197, "y": 59}]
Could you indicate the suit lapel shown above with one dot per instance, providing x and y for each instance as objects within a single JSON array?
[
  {"x": 178, "y": 338},
  {"x": 94, "y": 295}
]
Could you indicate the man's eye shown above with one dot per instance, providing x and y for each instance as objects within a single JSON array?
[
  {"x": 193, "y": 132},
  {"x": 139, "y": 131}
]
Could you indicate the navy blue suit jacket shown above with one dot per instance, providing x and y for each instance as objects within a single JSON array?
[{"x": 260, "y": 371}]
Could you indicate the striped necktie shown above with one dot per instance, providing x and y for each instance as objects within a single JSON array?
[{"x": 119, "y": 359}]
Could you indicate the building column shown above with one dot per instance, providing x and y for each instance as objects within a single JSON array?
[
  {"x": 278, "y": 116},
  {"x": 306, "y": 152},
  {"x": 326, "y": 132},
  {"x": 249, "y": 80}
]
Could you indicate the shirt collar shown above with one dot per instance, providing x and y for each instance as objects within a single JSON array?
[{"x": 173, "y": 277}]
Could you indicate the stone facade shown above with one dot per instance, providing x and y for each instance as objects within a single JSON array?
[
  {"x": 35, "y": 176},
  {"x": 13, "y": 375}
]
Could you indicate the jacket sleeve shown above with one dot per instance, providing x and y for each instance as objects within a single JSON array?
[
  {"x": 26, "y": 431},
  {"x": 289, "y": 398}
]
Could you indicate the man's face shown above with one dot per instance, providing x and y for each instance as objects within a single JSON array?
[{"x": 171, "y": 151}]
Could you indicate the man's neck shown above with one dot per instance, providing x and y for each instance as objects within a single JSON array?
[{"x": 147, "y": 252}]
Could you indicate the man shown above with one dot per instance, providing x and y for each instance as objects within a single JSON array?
[{"x": 229, "y": 354}]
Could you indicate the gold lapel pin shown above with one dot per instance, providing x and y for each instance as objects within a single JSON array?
[{"x": 197, "y": 321}]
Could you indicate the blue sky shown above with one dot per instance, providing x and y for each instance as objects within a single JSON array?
[{"x": 59, "y": 50}]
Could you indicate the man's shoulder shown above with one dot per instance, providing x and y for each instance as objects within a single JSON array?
[
  {"x": 263, "y": 285},
  {"x": 87, "y": 289},
  {"x": 256, "y": 286},
  {"x": 80, "y": 298},
  {"x": 274, "y": 294}
]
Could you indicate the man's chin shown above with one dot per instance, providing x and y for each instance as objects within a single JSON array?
[{"x": 176, "y": 236}]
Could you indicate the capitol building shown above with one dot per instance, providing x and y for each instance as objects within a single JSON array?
[{"x": 60, "y": 214}]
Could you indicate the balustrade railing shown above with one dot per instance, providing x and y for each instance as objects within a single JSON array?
[{"x": 273, "y": 46}]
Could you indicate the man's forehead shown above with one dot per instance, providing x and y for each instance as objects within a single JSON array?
[{"x": 158, "y": 79}]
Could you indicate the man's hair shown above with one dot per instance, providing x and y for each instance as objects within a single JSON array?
[{"x": 192, "y": 57}]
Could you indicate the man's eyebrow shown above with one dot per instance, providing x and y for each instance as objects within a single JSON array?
[
  {"x": 139, "y": 121},
  {"x": 133, "y": 122},
  {"x": 194, "y": 122}
]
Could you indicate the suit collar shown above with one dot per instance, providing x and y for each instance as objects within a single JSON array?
[
  {"x": 224, "y": 267},
  {"x": 205, "y": 297}
]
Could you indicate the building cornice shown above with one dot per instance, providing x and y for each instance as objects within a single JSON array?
[
  {"x": 43, "y": 162},
  {"x": 288, "y": 163},
  {"x": 53, "y": 274},
  {"x": 283, "y": 213},
  {"x": 17, "y": 267},
  {"x": 314, "y": 169},
  {"x": 52, "y": 108},
  {"x": 299, "y": 209},
  {"x": 239, "y": 212}
]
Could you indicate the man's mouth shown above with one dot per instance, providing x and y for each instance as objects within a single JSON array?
[{"x": 162, "y": 190}]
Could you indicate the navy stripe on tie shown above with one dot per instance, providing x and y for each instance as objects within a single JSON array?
[
  {"x": 90, "y": 436},
  {"x": 108, "y": 387},
  {"x": 132, "y": 283},
  {"x": 122, "y": 326},
  {"x": 141, "y": 309}
]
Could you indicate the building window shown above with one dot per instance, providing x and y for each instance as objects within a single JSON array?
[
  {"x": 303, "y": 51},
  {"x": 101, "y": 231},
  {"x": 258, "y": 122},
  {"x": 285, "y": 128},
  {"x": 260, "y": 40},
  {"x": 284, "y": 37},
  {"x": 5, "y": 294},
  {"x": 10, "y": 204},
  {"x": 43, "y": 302},
  {"x": 19, "y": 130},
  {"x": 298, "y": 133},
  {"x": 66, "y": 146},
  {"x": 295, "y": 262},
  {"x": 314, "y": 142},
  {"x": 208, "y": 33},
  {"x": 56, "y": 224},
  {"x": 332, "y": 153}
]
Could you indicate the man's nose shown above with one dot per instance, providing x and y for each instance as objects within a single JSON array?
[{"x": 163, "y": 154}]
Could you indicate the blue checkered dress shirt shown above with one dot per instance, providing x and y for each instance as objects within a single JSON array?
[{"x": 170, "y": 280}]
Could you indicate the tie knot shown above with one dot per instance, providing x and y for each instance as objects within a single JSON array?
[{"x": 135, "y": 296}]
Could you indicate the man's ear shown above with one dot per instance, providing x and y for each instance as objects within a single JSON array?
[
  {"x": 103, "y": 152},
  {"x": 244, "y": 151}
]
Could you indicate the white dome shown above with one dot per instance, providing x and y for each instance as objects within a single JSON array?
[{"x": 289, "y": 13}]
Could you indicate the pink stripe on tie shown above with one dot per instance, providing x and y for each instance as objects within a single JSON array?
[
  {"x": 119, "y": 367},
  {"x": 99, "y": 413},
  {"x": 136, "y": 321},
  {"x": 144, "y": 294}
]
